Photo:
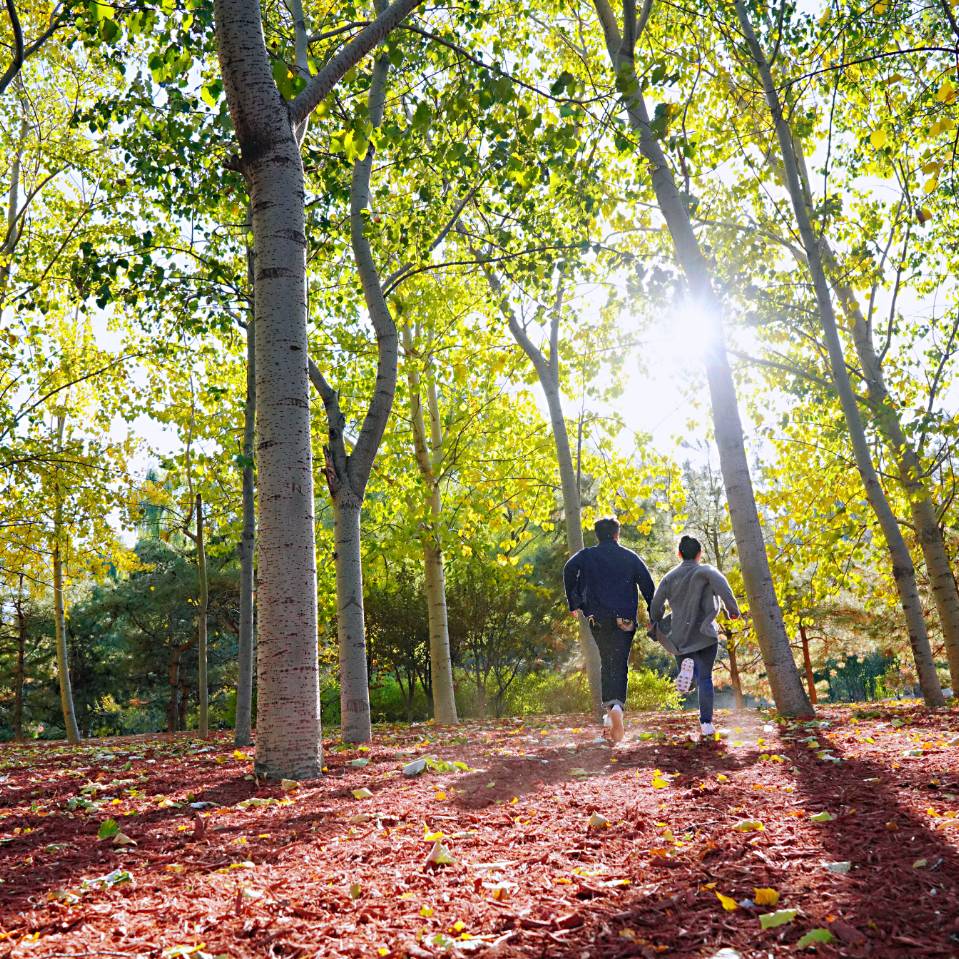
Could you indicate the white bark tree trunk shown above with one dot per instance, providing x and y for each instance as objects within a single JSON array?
[
  {"x": 350, "y": 622},
  {"x": 289, "y": 739},
  {"x": 902, "y": 568},
  {"x": 784, "y": 680},
  {"x": 244, "y": 687}
]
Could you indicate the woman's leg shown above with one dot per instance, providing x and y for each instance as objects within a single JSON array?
[{"x": 705, "y": 659}]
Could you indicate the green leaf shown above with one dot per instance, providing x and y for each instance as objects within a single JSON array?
[
  {"x": 814, "y": 937},
  {"x": 778, "y": 918},
  {"x": 824, "y": 816},
  {"x": 101, "y": 11},
  {"x": 108, "y": 829}
]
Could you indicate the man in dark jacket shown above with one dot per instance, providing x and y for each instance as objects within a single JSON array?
[{"x": 602, "y": 582}]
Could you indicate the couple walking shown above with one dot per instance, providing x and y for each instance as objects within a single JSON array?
[{"x": 602, "y": 583}]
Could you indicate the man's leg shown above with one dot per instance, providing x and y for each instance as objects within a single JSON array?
[
  {"x": 613, "y": 646},
  {"x": 705, "y": 659}
]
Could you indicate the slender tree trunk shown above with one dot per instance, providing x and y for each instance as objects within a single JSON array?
[
  {"x": 59, "y": 614},
  {"x": 807, "y": 663},
  {"x": 19, "y": 676},
  {"x": 734, "y": 677},
  {"x": 572, "y": 510},
  {"x": 13, "y": 224},
  {"x": 173, "y": 681},
  {"x": 784, "y": 680},
  {"x": 547, "y": 371},
  {"x": 203, "y": 605},
  {"x": 289, "y": 736},
  {"x": 350, "y": 623},
  {"x": 902, "y": 567},
  {"x": 244, "y": 686},
  {"x": 911, "y": 474},
  {"x": 429, "y": 459}
]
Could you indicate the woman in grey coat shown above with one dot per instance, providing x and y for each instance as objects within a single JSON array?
[{"x": 695, "y": 592}]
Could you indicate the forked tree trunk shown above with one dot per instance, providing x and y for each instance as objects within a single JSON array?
[
  {"x": 244, "y": 686},
  {"x": 784, "y": 679},
  {"x": 289, "y": 738},
  {"x": 547, "y": 371},
  {"x": 203, "y": 603},
  {"x": 429, "y": 459},
  {"x": 807, "y": 663},
  {"x": 902, "y": 567},
  {"x": 911, "y": 474},
  {"x": 350, "y": 622}
]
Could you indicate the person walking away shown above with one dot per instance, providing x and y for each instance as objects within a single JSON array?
[
  {"x": 695, "y": 592},
  {"x": 603, "y": 583}
]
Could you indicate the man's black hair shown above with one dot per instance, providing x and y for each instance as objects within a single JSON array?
[
  {"x": 606, "y": 528},
  {"x": 689, "y": 547}
]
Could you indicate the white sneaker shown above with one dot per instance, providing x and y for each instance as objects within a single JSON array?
[
  {"x": 684, "y": 680},
  {"x": 707, "y": 729}
]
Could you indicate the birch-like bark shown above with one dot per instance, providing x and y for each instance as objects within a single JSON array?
[
  {"x": 244, "y": 688},
  {"x": 203, "y": 605},
  {"x": 911, "y": 475},
  {"x": 429, "y": 458},
  {"x": 547, "y": 372},
  {"x": 289, "y": 739},
  {"x": 59, "y": 613},
  {"x": 784, "y": 680},
  {"x": 902, "y": 567},
  {"x": 13, "y": 223}
]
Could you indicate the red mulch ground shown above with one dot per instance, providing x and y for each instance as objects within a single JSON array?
[{"x": 316, "y": 872}]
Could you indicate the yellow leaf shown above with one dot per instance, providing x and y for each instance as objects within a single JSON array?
[
  {"x": 728, "y": 904},
  {"x": 439, "y": 795},
  {"x": 765, "y": 896},
  {"x": 363, "y": 793},
  {"x": 878, "y": 138},
  {"x": 426, "y": 911},
  {"x": 930, "y": 185}
]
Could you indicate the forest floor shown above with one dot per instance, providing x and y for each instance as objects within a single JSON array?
[{"x": 770, "y": 841}]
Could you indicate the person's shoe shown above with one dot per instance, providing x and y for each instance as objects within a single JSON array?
[
  {"x": 708, "y": 730},
  {"x": 684, "y": 679},
  {"x": 618, "y": 727}
]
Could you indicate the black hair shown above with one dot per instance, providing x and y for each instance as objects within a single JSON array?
[
  {"x": 689, "y": 547},
  {"x": 606, "y": 528}
]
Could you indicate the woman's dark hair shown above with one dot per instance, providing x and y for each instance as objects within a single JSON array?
[
  {"x": 606, "y": 528},
  {"x": 689, "y": 547}
]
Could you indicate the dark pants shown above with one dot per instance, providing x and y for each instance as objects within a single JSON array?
[
  {"x": 703, "y": 660},
  {"x": 614, "y": 646}
]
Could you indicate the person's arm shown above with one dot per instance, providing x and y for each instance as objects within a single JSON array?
[
  {"x": 571, "y": 576},
  {"x": 644, "y": 582},
  {"x": 658, "y": 606},
  {"x": 723, "y": 590}
]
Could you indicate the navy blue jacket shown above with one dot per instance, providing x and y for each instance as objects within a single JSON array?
[{"x": 602, "y": 581}]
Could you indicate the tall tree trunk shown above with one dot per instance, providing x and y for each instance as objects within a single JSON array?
[
  {"x": 911, "y": 475},
  {"x": 547, "y": 371},
  {"x": 289, "y": 735},
  {"x": 350, "y": 624},
  {"x": 19, "y": 676},
  {"x": 429, "y": 459},
  {"x": 784, "y": 679},
  {"x": 244, "y": 685},
  {"x": 734, "y": 677},
  {"x": 203, "y": 605},
  {"x": 902, "y": 567},
  {"x": 173, "y": 682},
  {"x": 59, "y": 614},
  {"x": 807, "y": 663}
]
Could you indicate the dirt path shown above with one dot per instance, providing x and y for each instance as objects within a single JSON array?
[{"x": 850, "y": 824}]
